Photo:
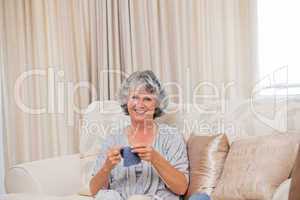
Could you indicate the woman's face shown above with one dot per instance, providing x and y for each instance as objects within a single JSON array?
[{"x": 141, "y": 105}]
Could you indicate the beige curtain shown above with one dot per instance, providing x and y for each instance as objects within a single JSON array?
[
  {"x": 2, "y": 166},
  {"x": 50, "y": 61},
  {"x": 194, "y": 46},
  {"x": 199, "y": 45}
]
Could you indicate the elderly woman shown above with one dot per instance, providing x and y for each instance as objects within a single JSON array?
[{"x": 163, "y": 170}]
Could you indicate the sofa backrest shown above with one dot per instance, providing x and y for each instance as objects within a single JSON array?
[
  {"x": 247, "y": 119},
  {"x": 98, "y": 120}
]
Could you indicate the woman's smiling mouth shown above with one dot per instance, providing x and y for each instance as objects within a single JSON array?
[{"x": 140, "y": 112}]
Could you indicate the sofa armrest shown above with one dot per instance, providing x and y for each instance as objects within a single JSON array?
[
  {"x": 55, "y": 176},
  {"x": 282, "y": 192}
]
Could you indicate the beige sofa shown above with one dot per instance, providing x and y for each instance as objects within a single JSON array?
[{"x": 63, "y": 177}]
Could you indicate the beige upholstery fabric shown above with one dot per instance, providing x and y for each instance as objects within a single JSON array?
[
  {"x": 24, "y": 196},
  {"x": 139, "y": 197},
  {"x": 85, "y": 191},
  {"x": 255, "y": 167},
  {"x": 207, "y": 155},
  {"x": 58, "y": 176},
  {"x": 86, "y": 169}
]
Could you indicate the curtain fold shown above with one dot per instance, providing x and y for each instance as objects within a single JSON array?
[
  {"x": 2, "y": 155},
  {"x": 80, "y": 51},
  {"x": 195, "y": 46},
  {"x": 191, "y": 42},
  {"x": 51, "y": 74}
]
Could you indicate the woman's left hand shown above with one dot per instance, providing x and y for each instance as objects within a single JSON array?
[
  {"x": 146, "y": 153},
  {"x": 173, "y": 178}
]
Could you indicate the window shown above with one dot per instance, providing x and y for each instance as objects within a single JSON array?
[{"x": 279, "y": 45}]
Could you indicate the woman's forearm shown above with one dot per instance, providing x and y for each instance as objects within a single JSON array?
[
  {"x": 100, "y": 180},
  {"x": 173, "y": 178}
]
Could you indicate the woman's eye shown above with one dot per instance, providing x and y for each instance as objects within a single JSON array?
[
  {"x": 134, "y": 97},
  {"x": 148, "y": 99}
]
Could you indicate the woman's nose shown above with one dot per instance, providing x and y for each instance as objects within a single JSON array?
[{"x": 140, "y": 103}]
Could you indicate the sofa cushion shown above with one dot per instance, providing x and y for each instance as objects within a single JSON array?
[
  {"x": 87, "y": 167},
  {"x": 27, "y": 196},
  {"x": 98, "y": 121},
  {"x": 255, "y": 167},
  {"x": 207, "y": 155},
  {"x": 295, "y": 183}
]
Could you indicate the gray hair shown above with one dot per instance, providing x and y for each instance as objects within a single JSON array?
[{"x": 148, "y": 81}]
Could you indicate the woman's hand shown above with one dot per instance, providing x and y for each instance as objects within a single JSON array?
[
  {"x": 146, "y": 153},
  {"x": 113, "y": 157},
  {"x": 100, "y": 180},
  {"x": 173, "y": 178}
]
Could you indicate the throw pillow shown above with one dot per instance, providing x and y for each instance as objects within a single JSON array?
[
  {"x": 207, "y": 155},
  {"x": 255, "y": 167}
]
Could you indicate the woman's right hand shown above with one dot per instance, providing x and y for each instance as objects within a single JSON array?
[
  {"x": 100, "y": 180},
  {"x": 113, "y": 157}
]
